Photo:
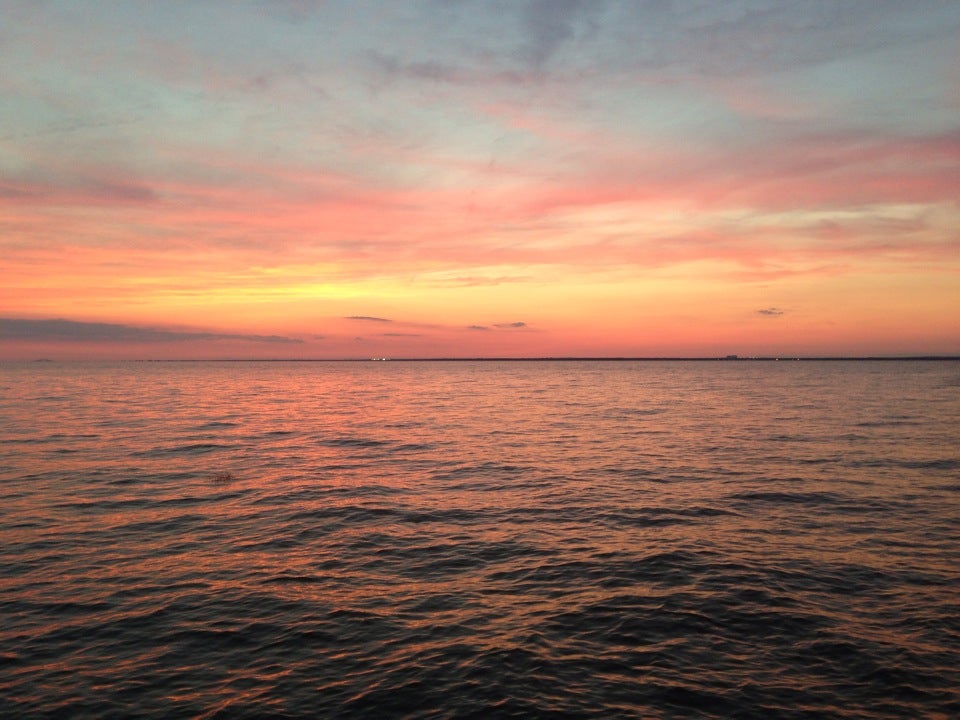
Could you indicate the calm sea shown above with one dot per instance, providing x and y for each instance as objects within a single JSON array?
[{"x": 480, "y": 540}]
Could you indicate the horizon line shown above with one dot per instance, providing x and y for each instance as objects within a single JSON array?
[{"x": 545, "y": 358}]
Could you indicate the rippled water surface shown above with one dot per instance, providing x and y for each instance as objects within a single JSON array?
[{"x": 480, "y": 540}]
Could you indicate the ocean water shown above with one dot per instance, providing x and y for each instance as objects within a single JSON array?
[{"x": 480, "y": 539}]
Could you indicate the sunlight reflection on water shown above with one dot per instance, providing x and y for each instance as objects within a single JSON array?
[{"x": 639, "y": 539}]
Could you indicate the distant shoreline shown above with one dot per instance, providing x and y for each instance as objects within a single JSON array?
[
  {"x": 838, "y": 358},
  {"x": 922, "y": 358}
]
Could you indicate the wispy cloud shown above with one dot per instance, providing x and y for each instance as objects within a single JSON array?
[
  {"x": 60, "y": 330},
  {"x": 548, "y": 24},
  {"x": 368, "y": 318},
  {"x": 770, "y": 312}
]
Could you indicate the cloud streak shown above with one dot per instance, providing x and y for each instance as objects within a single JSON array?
[{"x": 61, "y": 330}]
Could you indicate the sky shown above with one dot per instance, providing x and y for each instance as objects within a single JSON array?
[{"x": 479, "y": 178}]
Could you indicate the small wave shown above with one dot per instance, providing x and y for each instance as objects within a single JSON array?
[
  {"x": 488, "y": 469},
  {"x": 660, "y": 516},
  {"x": 177, "y": 523},
  {"x": 189, "y": 449},
  {"x": 817, "y": 461},
  {"x": 908, "y": 464},
  {"x": 98, "y": 506},
  {"x": 787, "y": 497},
  {"x": 940, "y": 464},
  {"x": 840, "y": 503},
  {"x": 298, "y": 579},
  {"x": 413, "y": 447},
  {"x": 783, "y": 437},
  {"x": 628, "y": 412},
  {"x": 47, "y": 439},
  {"x": 358, "y": 442}
]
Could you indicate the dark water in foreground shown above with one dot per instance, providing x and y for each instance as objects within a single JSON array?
[{"x": 480, "y": 540}]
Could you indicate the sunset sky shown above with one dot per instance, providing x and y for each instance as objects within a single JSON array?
[{"x": 341, "y": 178}]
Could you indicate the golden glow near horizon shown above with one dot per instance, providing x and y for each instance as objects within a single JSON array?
[{"x": 347, "y": 180}]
